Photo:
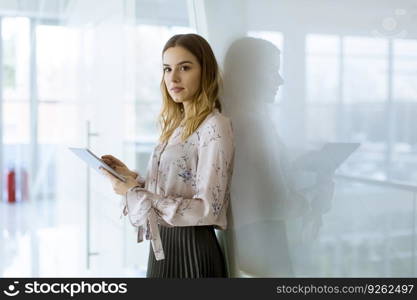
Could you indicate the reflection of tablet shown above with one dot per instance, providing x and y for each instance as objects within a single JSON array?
[
  {"x": 95, "y": 162},
  {"x": 328, "y": 158}
]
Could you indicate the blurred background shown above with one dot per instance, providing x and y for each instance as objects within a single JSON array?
[{"x": 87, "y": 73}]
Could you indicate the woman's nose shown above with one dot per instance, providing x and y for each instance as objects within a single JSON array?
[{"x": 175, "y": 76}]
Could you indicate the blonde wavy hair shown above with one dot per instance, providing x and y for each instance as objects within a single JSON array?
[{"x": 207, "y": 96}]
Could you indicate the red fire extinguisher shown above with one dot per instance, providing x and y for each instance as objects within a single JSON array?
[{"x": 11, "y": 186}]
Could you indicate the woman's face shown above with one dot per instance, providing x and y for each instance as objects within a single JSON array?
[{"x": 182, "y": 74}]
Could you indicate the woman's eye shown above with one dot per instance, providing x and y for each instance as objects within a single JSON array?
[{"x": 182, "y": 68}]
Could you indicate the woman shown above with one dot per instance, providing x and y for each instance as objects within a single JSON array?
[{"x": 185, "y": 194}]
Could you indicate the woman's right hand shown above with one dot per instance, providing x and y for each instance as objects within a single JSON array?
[{"x": 118, "y": 166}]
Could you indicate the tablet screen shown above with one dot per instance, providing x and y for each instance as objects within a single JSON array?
[{"x": 94, "y": 162}]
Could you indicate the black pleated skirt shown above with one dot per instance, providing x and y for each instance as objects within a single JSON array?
[{"x": 190, "y": 252}]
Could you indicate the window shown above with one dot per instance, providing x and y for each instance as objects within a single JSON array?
[{"x": 363, "y": 89}]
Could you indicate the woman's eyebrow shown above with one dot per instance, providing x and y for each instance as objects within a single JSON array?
[{"x": 180, "y": 63}]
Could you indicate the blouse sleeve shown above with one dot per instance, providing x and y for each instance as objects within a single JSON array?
[
  {"x": 214, "y": 171},
  {"x": 141, "y": 184}
]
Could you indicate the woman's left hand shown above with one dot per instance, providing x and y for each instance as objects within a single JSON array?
[{"x": 119, "y": 186}]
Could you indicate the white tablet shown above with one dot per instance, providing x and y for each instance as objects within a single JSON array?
[{"x": 94, "y": 162}]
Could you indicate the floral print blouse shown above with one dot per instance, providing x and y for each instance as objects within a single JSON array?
[{"x": 187, "y": 183}]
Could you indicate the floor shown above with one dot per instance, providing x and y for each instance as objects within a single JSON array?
[{"x": 33, "y": 243}]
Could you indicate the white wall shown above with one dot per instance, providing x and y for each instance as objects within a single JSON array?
[{"x": 264, "y": 238}]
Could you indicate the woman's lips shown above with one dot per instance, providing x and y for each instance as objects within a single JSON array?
[{"x": 177, "y": 90}]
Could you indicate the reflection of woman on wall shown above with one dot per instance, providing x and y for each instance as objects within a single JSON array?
[
  {"x": 185, "y": 194},
  {"x": 273, "y": 216},
  {"x": 263, "y": 189}
]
